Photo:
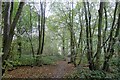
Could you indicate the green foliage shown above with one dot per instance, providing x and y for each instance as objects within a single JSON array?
[
  {"x": 15, "y": 8},
  {"x": 7, "y": 63},
  {"x": 97, "y": 74},
  {"x": 56, "y": 24},
  {"x": 115, "y": 63},
  {"x": 87, "y": 74},
  {"x": 11, "y": 64},
  {"x": 50, "y": 59},
  {"x": 25, "y": 60},
  {"x": 79, "y": 73},
  {"x": 118, "y": 68},
  {"x": 28, "y": 60}
]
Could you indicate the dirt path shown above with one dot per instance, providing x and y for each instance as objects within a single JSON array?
[
  {"x": 62, "y": 69},
  {"x": 59, "y": 70}
]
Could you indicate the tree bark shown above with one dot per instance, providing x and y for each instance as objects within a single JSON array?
[
  {"x": 9, "y": 29},
  {"x": 31, "y": 42},
  {"x": 100, "y": 11},
  {"x": 0, "y": 39},
  {"x": 63, "y": 43},
  {"x": 104, "y": 32},
  {"x": 43, "y": 25},
  {"x": 110, "y": 49},
  {"x": 39, "y": 47},
  {"x": 89, "y": 55},
  {"x": 41, "y": 28}
]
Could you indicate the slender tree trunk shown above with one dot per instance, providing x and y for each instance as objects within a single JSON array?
[
  {"x": 110, "y": 49},
  {"x": 63, "y": 42},
  {"x": 71, "y": 35},
  {"x": 89, "y": 55},
  {"x": 73, "y": 39},
  {"x": 104, "y": 32},
  {"x": 43, "y": 25},
  {"x": 40, "y": 31},
  {"x": 90, "y": 33},
  {"x": 0, "y": 39},
  {"x": 80, "y": 42},
  {"x": 39, "y": 47},
  {"x": 31, "y": 42},
  {"x": 71, "y": 46},
  {"x": 118, "y": 28},
  {"x": 100, "y": 11},
  {"x": 41, "y": 28},
  {"x": 118, "y": 35}
]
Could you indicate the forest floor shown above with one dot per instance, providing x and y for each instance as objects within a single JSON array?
[{"x": 58, "y": 70}]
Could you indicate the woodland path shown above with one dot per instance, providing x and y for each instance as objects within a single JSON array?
[{"x": 59, "y": 70}]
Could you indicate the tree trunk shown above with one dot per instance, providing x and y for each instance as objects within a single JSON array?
[
  {"x": 110, "y": 49},
  {"x": 41, "y": 28},
  {"x": 100, "y": 11},
  {"x": 63, "y": 43},
  {"x": 89, "y": 55},
  {"x": 6, "y": 31},
  {"x": 0, "y": 12},
  {"x": 72, "y": 36},
  {"x": 90, "y": 33},
  {"x": 9, "y": 28},
  {"x": 0, "y": 40},
  {"x": 80, "y": 42},
  {"x": 39, "y": 46},
  {"x": 43, "y": 25},
  {"x": 31, "y": 42},
  {"x": 104, "y": 32}
]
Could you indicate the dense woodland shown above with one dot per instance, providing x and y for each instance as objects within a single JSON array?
[{"x": 84, "y": 34}]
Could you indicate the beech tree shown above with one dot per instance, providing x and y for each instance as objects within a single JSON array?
[
  {"x": 41, "y": 27},
  {"x": 9, "y": 26},
  {"x": 100, "y": 11},
  {"x": 112, "y": 39}
]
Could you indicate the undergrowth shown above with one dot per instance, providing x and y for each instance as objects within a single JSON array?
[{"x": 28, "y": 60}]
